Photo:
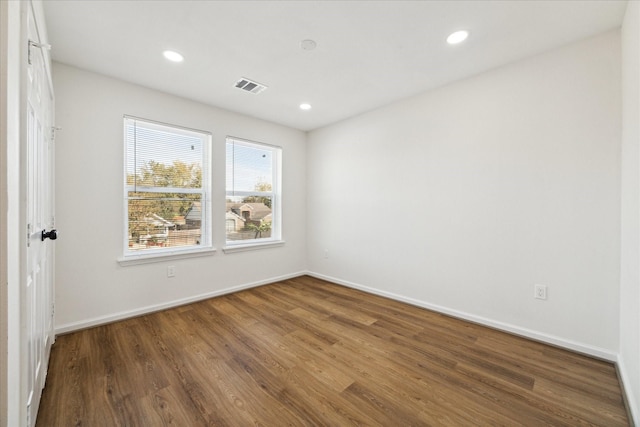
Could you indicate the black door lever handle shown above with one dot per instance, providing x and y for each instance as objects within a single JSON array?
[{"x": 53, "y": 235}]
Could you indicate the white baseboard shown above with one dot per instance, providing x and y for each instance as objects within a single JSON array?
[
  {"x": 528, "y": 333},
  {"x": 631, "y": 401},
  {"x": 524, "y": 332},
  {"x": 101, "y": 320}
]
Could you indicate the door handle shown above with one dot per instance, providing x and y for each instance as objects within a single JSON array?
[{"x": 53, "y": 235}]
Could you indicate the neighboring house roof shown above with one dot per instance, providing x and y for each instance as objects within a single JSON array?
[
  {"x": 257, "y": 211},
  {"x": 194, "y": 213},
  {"x": 157, "y": 221}
]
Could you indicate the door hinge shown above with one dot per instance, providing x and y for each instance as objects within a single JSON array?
[
  {"x": 36, "y": 44},
  {"x": 54, "y": 129},
  {"x": 28, "y": 235}
]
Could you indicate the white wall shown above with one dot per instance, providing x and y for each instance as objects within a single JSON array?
[
  {"x": 464, "y": 197},
  {"x": 629, "y": 361},
  {"x": 91, "y": 287}
]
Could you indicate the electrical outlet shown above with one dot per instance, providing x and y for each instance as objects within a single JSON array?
[
  {"x": 326, "y": 253},
  {"x": 171, "y": 271},
  {"x": 540, "y": 291}
]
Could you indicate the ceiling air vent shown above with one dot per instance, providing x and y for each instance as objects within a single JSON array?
[{"x": 250, "y": 86}]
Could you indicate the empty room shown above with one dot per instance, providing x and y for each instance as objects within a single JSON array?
[{"x": 319, "y": 213}]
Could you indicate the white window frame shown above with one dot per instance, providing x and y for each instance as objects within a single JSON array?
[
  {"x": 132, "y": 257},
  {"x": 276, "y": 200}
]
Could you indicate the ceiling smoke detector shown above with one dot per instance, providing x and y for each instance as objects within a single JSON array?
[
  {"x": 308, "y": 44},
  {"x": 250, "y": 86}
]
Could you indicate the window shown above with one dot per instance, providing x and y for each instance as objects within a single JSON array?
[
  {"x": 253, "y": 194},
  {"x": 166, "y": 188}
]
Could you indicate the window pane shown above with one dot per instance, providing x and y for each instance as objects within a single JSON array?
[
  {"x": 164, "y": 220},
  {"x": 252, "y": 171},
  {"x": 158, "y": 157},
  {"x": 166, "y": 185},
  {"x": 249, "y": 168},
  {"x": 248, "y": 217}
]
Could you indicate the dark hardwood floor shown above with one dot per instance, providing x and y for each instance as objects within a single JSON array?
[{"x": 308, "y": 352}]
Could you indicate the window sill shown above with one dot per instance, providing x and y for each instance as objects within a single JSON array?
[
  {"x": 147, "y": 258},
  {"x": 251, "y": 246}
]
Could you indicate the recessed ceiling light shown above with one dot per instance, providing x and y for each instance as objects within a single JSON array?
[
  {"x": 457, "y": 37},
  {"x": 173, "y": 56},
  {"x": 305, "y": 106}
]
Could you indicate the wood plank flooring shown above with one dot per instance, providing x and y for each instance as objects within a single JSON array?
[{"x": 304, "y": 352}]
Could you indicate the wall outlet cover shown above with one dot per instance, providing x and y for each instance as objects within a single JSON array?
[{"x": 540, "y": 291}]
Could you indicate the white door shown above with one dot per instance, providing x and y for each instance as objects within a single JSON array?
[{"x": 38, "y": 287}]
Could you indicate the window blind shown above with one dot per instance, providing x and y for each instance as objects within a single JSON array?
[{"x": 158, "y": 156}]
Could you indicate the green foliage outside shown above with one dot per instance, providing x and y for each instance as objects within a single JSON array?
[
  {"x": 166, "y": 205},
  {"x": 259, "y": 229}
]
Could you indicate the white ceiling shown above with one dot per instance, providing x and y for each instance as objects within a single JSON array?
[{"x": 369, "y": 53}]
